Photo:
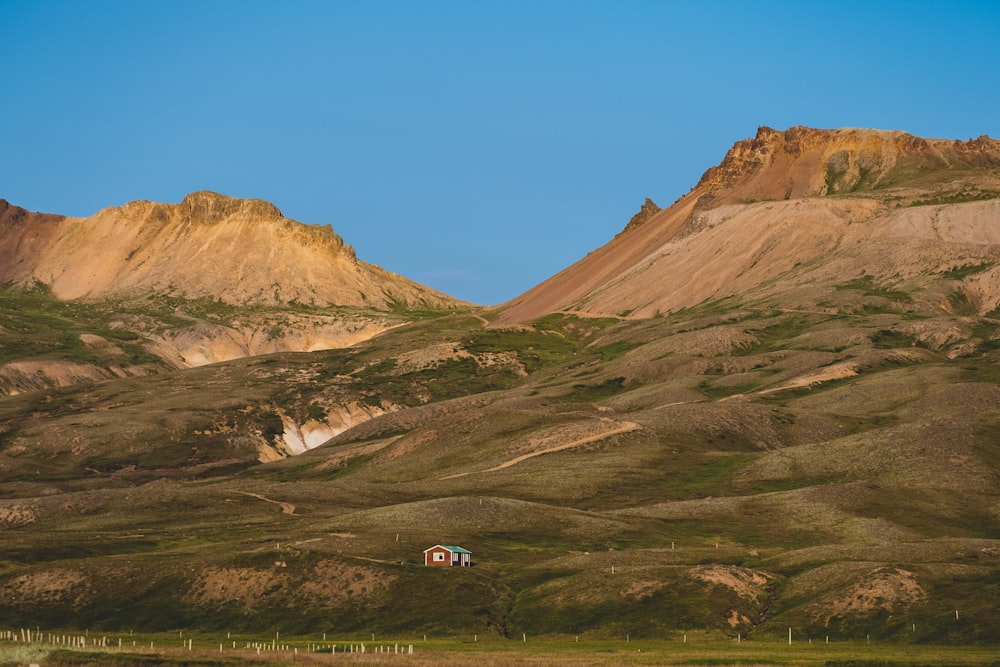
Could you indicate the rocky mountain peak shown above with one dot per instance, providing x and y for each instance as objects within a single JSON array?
[
  {"x": 781, "y": 210},
  {"x": 212, "y": 206},
  {"x": 12, "y": 214},
  {"x": 240, "y": 251},
  {"x": 202, "y": 207},
  {"x": 645, "y": 212},
  {"x": 8, "y": 210},
  {"x": 805, "y": 162}
]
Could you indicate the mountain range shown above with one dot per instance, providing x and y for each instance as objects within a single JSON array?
[{"x": 771, "y": 404}]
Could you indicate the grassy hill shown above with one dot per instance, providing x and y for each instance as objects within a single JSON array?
[
  {"x": 735, "y": 468},
  {"x": 773, "y": 405}
]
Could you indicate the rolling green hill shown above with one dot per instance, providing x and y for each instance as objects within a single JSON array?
[
  {"x": 818, "y": 451},
  {"x": 832, "y": 472}
]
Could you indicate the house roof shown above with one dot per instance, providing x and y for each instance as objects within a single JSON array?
[{"x": 458, "y": 550}]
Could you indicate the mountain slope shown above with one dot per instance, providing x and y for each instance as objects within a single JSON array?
[
  {"x": 743, "y": 470},
  {"x": 147, "y": 287},
  {"x": 819, "y": 453},
  {"x": 793, "y": 213},
  {"x": 239, "y": 251}
]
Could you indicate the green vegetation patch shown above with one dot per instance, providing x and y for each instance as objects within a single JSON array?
[
  {"x": 534, "y": 349},
  {"x": 868, "y": 286},
  {"x": 38, "y": 325},
  {"x": 450, "y": 378},
  {"x": 890, "y": 339},
  {"x": 961, "y": 304},
  {"x": 614, "y": 350},
  {"x": 597, "y": 392},
  {"x": 72, "y": 658},
  {"x": 966, "y": 270},
  {"x": 715, "y": 391},
  {"x": 957, "y": 197},
  {"x": 988, "y": 444},
  {"x": 710, "y": 475},
  {"x": 685, "y": 603}
]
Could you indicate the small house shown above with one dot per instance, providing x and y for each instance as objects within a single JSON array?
[{"x": 447, "y": 556}]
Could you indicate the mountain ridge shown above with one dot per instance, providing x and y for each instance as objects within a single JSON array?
[
  {"x": 803, "y": 162},
  {"x": 146, "y": 287},
  {"x": 760, "y": 220},
  {"x": 186, "y": 249}
]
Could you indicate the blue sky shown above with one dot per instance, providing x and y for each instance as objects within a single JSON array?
[{"x": 478, "y": 147}]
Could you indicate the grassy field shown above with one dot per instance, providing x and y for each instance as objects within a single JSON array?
[
  {"x": 140, "y": 650},
  {"x": 732, "y": 469}
]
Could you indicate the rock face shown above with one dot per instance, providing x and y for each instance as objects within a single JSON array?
[
  {"x": 24, "y": 236},
  {"x": 207, "y": 343},
  {"x": 806, "y": 162},
  {"x": 798, "y": 212},
  {"x": 239, "y": 251},
  {"x": 645, "y": 212},
  {"x": 18, "y": 377}
]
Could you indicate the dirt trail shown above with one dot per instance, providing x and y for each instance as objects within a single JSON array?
[
  {"x": 623, "y": 427},
  {"x": 670, "y": 405},
  {"x": 834, "y": 372},
  {"x": 286, "y": 508}
]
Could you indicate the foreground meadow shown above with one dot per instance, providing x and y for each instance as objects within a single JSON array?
[{"x": 63, "y": 649}]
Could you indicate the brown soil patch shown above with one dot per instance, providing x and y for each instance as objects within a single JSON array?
[
  {"x": 333, "y": 582},
  {"x": 18, "y": 377},
  {"x": 713, "y": 342},
  {"x": 839, "y": 371},
  {"x": 16, "y": 515},
  {"x": 748, "y": 584},
  {"x": 286, "y": 508},
  {"x": 735, "y": 618},
  {"x": 888, "y": 588},
  {"x": 431, "y": 356},
  {"x": 61, "y": 586},
  {"x": 242, "y": 585}
]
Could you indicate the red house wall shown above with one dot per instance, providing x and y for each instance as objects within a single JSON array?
[{"x": 429, "y": 557}]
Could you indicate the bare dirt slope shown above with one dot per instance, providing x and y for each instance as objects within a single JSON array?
[
  {"x": 240, "y": 251},
  {"x": 23, "y": 236},
  {"x": 789, "y": 210}
]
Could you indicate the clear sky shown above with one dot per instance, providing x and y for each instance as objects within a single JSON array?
[{"x": 476, "y": 146}]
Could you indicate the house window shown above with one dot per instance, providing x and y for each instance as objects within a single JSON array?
[{"x": 438, "y": 556}]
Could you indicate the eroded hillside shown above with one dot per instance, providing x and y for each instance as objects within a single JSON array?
[
  {"x": 148, "y": 287},
  {"x": 787, "y": 214},
  {"x": 238, "y": 251},
  {"x": 786, "y": 416},
  {"x": 741, "y": 468}
]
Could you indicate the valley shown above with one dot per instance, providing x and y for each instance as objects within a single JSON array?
[
  {"x": 736, "y": 418},
  {"x": 686, "y": 474}
]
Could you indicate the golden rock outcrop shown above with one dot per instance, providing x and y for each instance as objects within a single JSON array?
[
  {"x": 239, "y": 251},
  {"x": 797, "y": 213}
]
